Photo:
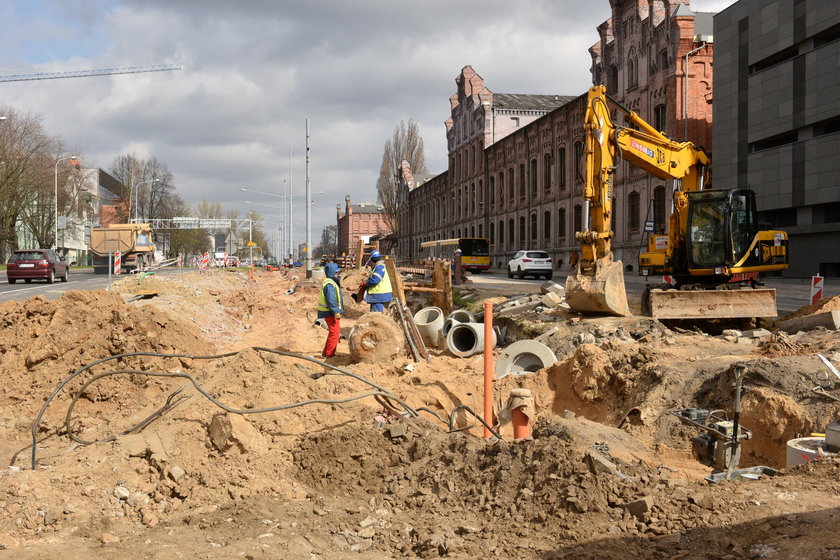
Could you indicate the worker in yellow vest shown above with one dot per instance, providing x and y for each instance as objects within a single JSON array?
[
  {"x": 330, "y": 307},
  {"x": 378, "y": 284}
]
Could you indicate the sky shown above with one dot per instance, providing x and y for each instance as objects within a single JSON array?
[{"x": 255, "y": 70}]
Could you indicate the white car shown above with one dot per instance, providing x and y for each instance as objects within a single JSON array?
[{"x": 535, "y": 263}]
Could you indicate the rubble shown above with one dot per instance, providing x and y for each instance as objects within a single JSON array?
[{"x": 333, "y": 480}]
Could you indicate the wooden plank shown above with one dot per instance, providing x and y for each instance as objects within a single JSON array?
[
  {"x": 360, "y": 254},
  {"x": 396, "y": 280}
]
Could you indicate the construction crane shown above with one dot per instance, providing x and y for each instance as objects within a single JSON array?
[{"x": 89, "y": 73}]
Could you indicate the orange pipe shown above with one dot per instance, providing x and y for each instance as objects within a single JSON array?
[
  {"x": 488, "y": 366},
  {"x": 521, "y": 428}
]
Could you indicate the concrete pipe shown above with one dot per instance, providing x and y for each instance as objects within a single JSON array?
[
  {"x": 429, "y": 321},
  {"x": 524, "y": 356},
  {"x": 467, "y": 339},
  {"x": 447, "y": 326},
  {"x": 462, "y": 316}
]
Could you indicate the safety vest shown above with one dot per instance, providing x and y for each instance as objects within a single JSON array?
[
  {"x": 384, "y": 286},
  {"x": 322, "y": 298}
]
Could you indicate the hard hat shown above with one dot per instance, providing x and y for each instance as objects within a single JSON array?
[{"x": 375, "y": 255}]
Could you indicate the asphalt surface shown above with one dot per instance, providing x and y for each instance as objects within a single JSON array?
[{"x": 791, "y": 293}]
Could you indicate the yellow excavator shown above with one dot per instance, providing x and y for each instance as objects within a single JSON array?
[{"x": 713, "y": 251}]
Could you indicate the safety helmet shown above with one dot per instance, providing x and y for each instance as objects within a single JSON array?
[{"x": 376, "y": 255}]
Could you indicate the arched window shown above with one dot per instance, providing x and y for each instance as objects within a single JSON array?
[
  {"x": 561, "y": 168},
  {"x": 579, "y": 161},
  {"x": 561, "y": 223},
  {"x": 532, "y": 178},
  {"x": 612, "y": 79},
  {"x": 534, "y": 227},
  {"x": 511, "y": 187},
  {"x": 660, "y": 118},
  {"x": 481, "y": 230},
  {"x": 547, "y": 168},
  {"x": 492, "y": 193},
  {"x": 547, "y": 225},
  {"x": 578, "y": 218},
  {"x": 659, "y": 209},
  {"x": 521, "y": 182},
  {"x": 473, "y": 202},
  {"x": 472, "y": 231},
  {"x": 522, "y": 233},
  {"x": 502, "y": 189},
  {"x": 632, "y": 69},
  {"x": 492, "y": 232},
  {"x": 510, "y": 232},
  {"x": 501, "y": 233},
  {"x": 633, "y": 211}
]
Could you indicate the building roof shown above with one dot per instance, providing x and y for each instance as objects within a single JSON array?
[
  {"x": 367, "y": 208},
  {"x": 528, "y": 101}
]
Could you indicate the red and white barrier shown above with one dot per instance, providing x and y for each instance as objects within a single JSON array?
[
  {"x": 817, "y": 288},
  {"x": 117, "y": 263},
  {"x": 205, "y": 260}
]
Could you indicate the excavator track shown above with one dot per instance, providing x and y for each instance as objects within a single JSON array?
[{"x": 711, "y": 304}]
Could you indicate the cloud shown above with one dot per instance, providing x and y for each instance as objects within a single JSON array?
[{"x": 255, "y": 70}]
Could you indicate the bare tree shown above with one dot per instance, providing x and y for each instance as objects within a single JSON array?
[
  {"x": 329, "y": 241},
  {"x": 27, "y": 153},
  {"x": 207, "y": 209},
  {"x": 404, "y": 145}
]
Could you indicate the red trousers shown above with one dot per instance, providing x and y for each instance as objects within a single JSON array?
[{"x": 332, "y": 338}]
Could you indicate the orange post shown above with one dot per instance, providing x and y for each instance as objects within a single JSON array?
[
  {"x": 521, "y": 427},
  {"x": 488, "y": 366}
]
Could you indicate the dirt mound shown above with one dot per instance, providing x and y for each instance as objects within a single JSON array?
[{"x": 822, "y": 306}]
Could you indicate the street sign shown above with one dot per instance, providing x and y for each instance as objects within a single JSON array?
[
  {"x": 648, "y": 226},
  {"x": 251, "y": 244}
]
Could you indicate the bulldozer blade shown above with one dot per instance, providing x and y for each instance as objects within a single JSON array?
[
  {"x": 602, "y": 293},
  {"x": 712, "y": 304}
]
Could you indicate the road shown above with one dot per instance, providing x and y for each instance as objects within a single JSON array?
[
  {"x": 80, "y": 279},
  {"x": 791, "y": 293}
]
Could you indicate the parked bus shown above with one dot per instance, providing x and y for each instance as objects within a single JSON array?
[{"x": 475, "y": 252}]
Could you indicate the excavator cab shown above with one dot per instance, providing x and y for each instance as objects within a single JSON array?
[{"x": 722, "y": 227}]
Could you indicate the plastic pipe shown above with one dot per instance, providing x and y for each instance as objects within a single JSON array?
[
  {"x": 488, "y": 365},
  {"x": 521, "y": 427}
]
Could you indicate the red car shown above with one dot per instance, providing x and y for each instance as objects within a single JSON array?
[{"x": 29, "y": 264}]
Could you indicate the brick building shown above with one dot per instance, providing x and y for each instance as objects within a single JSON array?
[
  {"x": 777, "y": 115},
  {"x": 360, "y": 221},
  {"x": 514, "y": 160}
]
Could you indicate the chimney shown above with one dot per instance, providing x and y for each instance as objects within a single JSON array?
[
  {"x": 338, "y": 211},
  {"x": 349, "y": 210}
]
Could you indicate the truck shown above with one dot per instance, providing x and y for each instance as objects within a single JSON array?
[
  {"x": 135, "y": 242},
  {"x": 714, "y": 251}
]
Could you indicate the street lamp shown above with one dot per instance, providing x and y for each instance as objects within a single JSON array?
[
  {"x": 137, "y": 199},
  {"x": 74, "y": 162}
]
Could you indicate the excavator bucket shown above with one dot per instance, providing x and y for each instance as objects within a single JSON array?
[
  {"x": 712, "y": 304},
  {"x": 602, "y": 292}
]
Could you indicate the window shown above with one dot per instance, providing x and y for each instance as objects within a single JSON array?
[
  {"x": 502, "y": 189},
  {"x": 579, "y": 161},
  {"x": 663, "y": 59},
  {"x": 659, "y": 209},
  {"x": 534, "y": 227},
  {"x": 561, "y": 223},
  {"x": 521, "y": 181},
  {"x": 659, "y": 118},
  {"x": 501, "y": 232},
  {"x": 561, "y": 168},
  {"x": 492, "y": 193},
  {"x": 522, "y": 235},
  {"x": 492, "y": 232},
  {"x": 510, "y": 232},
  {"x": 578, "y": 218},
  {"x": 547, "y": 165},
  {"x": 632, "y": 69},
  {"x": 473, "y": 200},
  {"x": 612, "y": 79},
  {"x": 511, "y": 186},
  {"x": 547, "y": 224},
  {"x": 633, "y": 211},
  {"x": 532, "y": 178},
  {"x": 481, "y": 230},
  {"x": 472, "y": 231}
]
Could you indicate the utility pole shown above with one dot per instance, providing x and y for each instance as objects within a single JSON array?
[
  {"x": 308, "y": 210},
  {"x": 291, "y": 236}
]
